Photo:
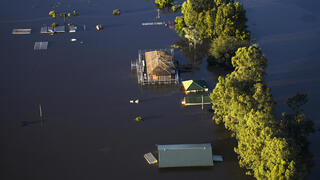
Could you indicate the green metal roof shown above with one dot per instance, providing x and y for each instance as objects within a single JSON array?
[
  {"x": 198, "y": 85},
  {"x": 185, "y": 155},
  {"x": 197, "y": 99}
]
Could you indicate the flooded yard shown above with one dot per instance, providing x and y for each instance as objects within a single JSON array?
[{"x": 84, "y": 88}]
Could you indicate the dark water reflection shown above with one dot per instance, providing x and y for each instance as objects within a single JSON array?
[
  {"x": 85, "y": 88},
  {"x": 90, "y": 132},
  {"x": 289, "y": 37}
]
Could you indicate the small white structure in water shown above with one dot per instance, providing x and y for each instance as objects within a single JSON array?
[
  {"x": 99, "y": 27},
  {"x": 21, "y": 31},
  {"x": 150, "y": 158},
  {"x": 40, "y": 46},
  {"x": 50, "y": 30}
]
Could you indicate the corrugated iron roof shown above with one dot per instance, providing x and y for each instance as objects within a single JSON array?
[
  {"x": 194, "y": 85},
  {"x": 185, "y": 155}
]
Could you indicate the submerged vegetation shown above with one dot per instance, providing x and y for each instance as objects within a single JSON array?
[
  {"x": 116, "y": 12},
  {"x": 272, "y": 147},
  {"x": 139, "y": 119},
  {"x": 164, "y": 3},
  {"x": 176, "y": 8},
  {"x": 220, "y": 21}
]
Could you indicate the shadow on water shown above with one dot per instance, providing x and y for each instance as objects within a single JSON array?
[
  {"x": 147, "y": 118},
  {"x": 194, "y": 54},
  {"x": 30, "y": 123},
  {"x": 135, "y": 10},
  {"x": 114, "y": 25},
  {"x": 185, "y": 169}
]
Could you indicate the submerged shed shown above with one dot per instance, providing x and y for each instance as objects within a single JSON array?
[
  {"x": 185, "y": 155},
  {"x": 196, "y": 99},
  {"x": 60, "y": 29},
  {"x": 40, "y": 46},
  {"x": 195, "y": 86},
  {"x": 159, "y": 64},
  {"x": 21, "y": 31},
  {"x": 49, "y": 29}
]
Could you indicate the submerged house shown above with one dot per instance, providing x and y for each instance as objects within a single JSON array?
[
  {"x": 50, "y": 30},
  {"x": 159, "y": 65},
  {"x": 155, "y": 67},
  {"x": 185, "y": 155},
  {"x": 193, "y": 86},
  {"x": 196, "y": 99}
]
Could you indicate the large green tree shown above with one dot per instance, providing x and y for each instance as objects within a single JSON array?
[
  {"x": 223, "y": 48},
  {"x": 242, "y": 101}
]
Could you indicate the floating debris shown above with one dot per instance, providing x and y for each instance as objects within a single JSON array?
[
  {"x": 21, "y": 31},
  {"x": 73, "y": 40},
  {"x": 72, "y": 28},
  {"x": 40, "y": 46},
  {"x": 139, "y": 119},
  {"x": 134, "y": 101},
  {"x": 99, "y": 27},
  {"x": 150, "y": 158},
  {"x": 116, "y": 12}
]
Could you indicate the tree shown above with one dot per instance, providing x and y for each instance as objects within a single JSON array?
[
  {"x": 193, "y": 36},
  {"x": 205, "y": 23},
  {"x": 223, "y": 48},
  {"x": 164, "y": 3},
  {"x": 231, "y": 21},
  {"x": 180, "y": 24},
  {"x": 52, "y": 14},
  {"x": 242, "y": 101},
  {"x": 75, "y": 13}
]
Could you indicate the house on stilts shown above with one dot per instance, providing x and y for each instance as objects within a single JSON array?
[{"x": 155, "y": 67}]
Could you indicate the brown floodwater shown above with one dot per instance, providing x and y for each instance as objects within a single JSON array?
[{"x": 84, "y": 88}]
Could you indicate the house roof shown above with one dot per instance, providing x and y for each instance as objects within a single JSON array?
[
  {"x": 197, "y": 99},
  {"x": 159, "y": 63},
  {"x": 185, "y": 155},
  {"x": 198, "y": 85}
]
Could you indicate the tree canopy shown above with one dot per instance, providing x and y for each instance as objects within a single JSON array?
[
  {"x": 242, "y": 101},
  {"x": 222, "y": 21},
  {"x": 164, "y": 3}
]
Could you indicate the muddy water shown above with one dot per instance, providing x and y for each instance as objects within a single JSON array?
[
  {"x": 85, "y": 88},
  {"x": 289, "y": 33}
]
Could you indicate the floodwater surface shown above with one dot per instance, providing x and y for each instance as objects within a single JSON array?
[{"x": 85, "y": 86}]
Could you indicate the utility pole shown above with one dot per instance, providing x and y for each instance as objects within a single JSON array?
[
  {"x": 40, "y": 112},
  {"x": 202, "y": 101},
  {"x": 158, "y": 16}
]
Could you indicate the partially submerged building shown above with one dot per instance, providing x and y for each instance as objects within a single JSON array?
[
  {"x": 155, "y": 67},
  {"x": 196, "y": 99},
  {"x": 185, "y": 155},
  {"x": 21, "y": 31},
  {"x": 72, "y": 29},
  {"x": 50, "y": 30},
  {"x": 194, "y": 86}
]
